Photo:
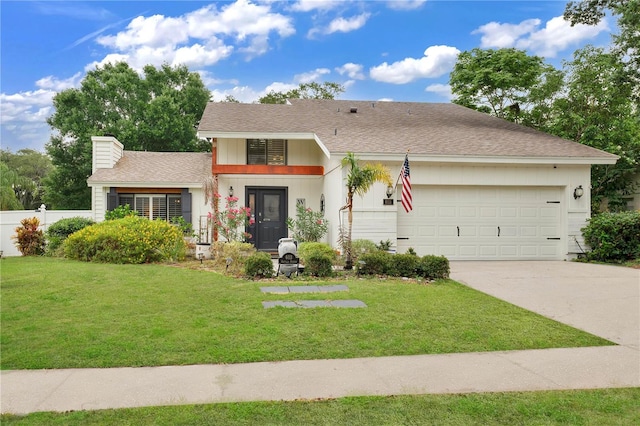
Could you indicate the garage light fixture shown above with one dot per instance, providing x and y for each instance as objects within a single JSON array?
[
  {"x": 578, "y": 192},
  {"x": 389, "y": 191}
]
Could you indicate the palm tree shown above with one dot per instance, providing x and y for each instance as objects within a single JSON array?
[{"x": 359, "y": 181}]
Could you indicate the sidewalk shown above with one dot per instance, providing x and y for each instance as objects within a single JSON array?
[{"x": 29, "y": 391}]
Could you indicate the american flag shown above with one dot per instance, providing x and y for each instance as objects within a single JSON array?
[{"x": 405, "y": 176}]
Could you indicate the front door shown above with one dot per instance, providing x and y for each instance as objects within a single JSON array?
[{"x": 269, "y": 213}]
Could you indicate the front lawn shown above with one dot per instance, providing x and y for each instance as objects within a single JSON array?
[
  {"x": 582, "y": 407},
  {"x": 66, "y": 314}
]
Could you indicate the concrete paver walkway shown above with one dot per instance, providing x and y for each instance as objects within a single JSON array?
[{"x": 544, "y": 287}]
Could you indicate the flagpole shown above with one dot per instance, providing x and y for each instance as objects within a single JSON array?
[{"x": 400, "y": 174}]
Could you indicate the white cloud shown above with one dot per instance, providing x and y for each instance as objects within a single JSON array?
[
  {"x": 556, "y": 36},
  {"x": 53, "y": 83},
  {"x": 23, "y": 117},
  {"x": 497, "y": 35},
  {"x": 347, "y": 25},
  {"x": 310, "y": 5},
  {"x": 443, "y": 90},
  {"x": 199, "y": 38},
  {"x": 437, "y": 60},
  {"x": 311, "y": 76},
  {"x": 351, "y": 70},
  {"x": 405, "y": 4}
]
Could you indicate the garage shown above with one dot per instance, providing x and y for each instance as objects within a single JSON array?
[{"x": 484, "y": 222}]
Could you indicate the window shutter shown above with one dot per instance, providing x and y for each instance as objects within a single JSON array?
[
  {"x": 257, "y": 151},
  {"x": 276, "y": 152},
  {"x": 185, "y": 203},
  {"x": 112, "y": 199}
]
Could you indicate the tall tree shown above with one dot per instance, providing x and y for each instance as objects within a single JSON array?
[
  {"x": 326, "y": 90},
  {"x": 501, "y": 82},
  {"x": 360, "y": 178},
  {"x": 626, "y": 41},
  {"x": 155, "y": 111},
  {"x": 598, "y": 111},
  {"x": 31, "y": 166}
]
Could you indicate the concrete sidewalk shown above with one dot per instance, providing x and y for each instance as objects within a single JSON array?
[
  {"x": 91, "y": 389},
  {"x": 604, "y": 300}
]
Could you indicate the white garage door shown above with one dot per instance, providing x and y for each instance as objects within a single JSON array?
[{"x": 465, "y": 222}]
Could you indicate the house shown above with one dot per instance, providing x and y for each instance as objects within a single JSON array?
[{"x": 483, "y": 187}]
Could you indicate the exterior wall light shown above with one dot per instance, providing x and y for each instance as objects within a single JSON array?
[
  {"x": 389, "y": 191},
  {"x": 231, "y": 191},
  {"x": 578, "y": 192}
]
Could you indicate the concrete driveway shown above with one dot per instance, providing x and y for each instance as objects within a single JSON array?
[{"x": 600, "y": 299}]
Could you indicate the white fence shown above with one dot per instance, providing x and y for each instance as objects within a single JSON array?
[{"x": 10, "y": 220}]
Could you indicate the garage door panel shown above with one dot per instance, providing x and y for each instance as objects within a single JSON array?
[{"x": 483, "y": 222}]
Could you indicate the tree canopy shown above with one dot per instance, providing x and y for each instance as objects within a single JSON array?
[
  {"x": 155, "y": 111},
  {"x": 501, "y": 82},
  {"x": 25, "y": 170},
  {"x": 326, "y": 90}
]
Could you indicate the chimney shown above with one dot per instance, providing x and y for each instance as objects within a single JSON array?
[{"x": 107, "y": 150}]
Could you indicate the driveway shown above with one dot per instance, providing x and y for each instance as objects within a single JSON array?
[{"x": 600, "y": 299}]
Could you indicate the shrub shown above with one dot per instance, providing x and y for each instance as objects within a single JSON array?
[
  {"x": 120, "y": 212},
  {"x": 613, "y": 237},
  {"x": 60, "y": 231},
  {"x": 308, "y": 225},
  {"x": 131, "y": 239},
  {"x": 434, "y": 267},
  {"x": 308, "y": 249},
  {"x": 404, "y": 265},
  {"x": 259, "y": 265},
  {"x": 376, "y": 263},
  {"x": 185, "y": 227},
  {"x": 384, "y": 245},
  {"x": 319, "y": 264},
  {"x": 360, "y": 247},
  {"x": 232, "y": 256},
  {"x": 29, "y": 239}
]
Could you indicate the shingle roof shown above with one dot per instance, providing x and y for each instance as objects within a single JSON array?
[
  {"x": 394, "y": 127},
  {"x": 158, "y": 167}
]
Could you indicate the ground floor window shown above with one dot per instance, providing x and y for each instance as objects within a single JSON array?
[{"x": 153, "y": 206}]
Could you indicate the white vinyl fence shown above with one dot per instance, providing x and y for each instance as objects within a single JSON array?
[{"x": 10, "y": 220}]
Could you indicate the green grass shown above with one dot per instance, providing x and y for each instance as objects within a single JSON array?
[
  {"x": 584, "y": 407},
  {"x": 66, "y": 314}
]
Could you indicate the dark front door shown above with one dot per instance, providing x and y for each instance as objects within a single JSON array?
[{"x": 269, "y": 211}]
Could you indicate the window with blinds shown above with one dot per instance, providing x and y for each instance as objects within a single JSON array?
[
  {"x": 159, "y": 206},
  {"x": 267, "y": 151}
]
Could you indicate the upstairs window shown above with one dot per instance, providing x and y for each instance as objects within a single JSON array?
[{"x": 267, "y": 151}]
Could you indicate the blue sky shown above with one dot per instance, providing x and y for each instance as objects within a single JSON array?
[{"x": 379, "y": 50}]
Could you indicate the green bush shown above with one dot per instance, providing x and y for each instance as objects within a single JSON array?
[
  {"x": 259, "y": 265},
  {"x": 60, "y": 231},
  {"x": 232, "y": 256},
  {"x": 131, "y": 239},
  {"x": 376, "y": 263},
  {"x": 404, "y": 265},
  {"x": 308, "y": 249},
  {"x": 613, "y": 237},
  {"x": 360, "y": 247},
  {"x": 29, "y": 239},
  {"x": 434, "y": 267},
  {"x": 120, "y": 212},
  {"x": 319, "y": 265}
]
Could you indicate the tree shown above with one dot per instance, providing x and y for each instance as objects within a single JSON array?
[
  {"x": 9, "y": 179},
  {"x": 155, "y": 111},
  {"x": 501, "y": 82},
  {"x": 626, "y": 42},
  {"x": 326, "y": 90},
  {"x": 31, "y": 167},
  {"x": 359, "y": 181},
  {"x": 598, "y": 111}
]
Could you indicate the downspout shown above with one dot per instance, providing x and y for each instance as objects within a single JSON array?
[{"x": 215, "y": 199}]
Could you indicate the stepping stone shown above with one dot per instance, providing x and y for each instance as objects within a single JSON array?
[
  {"x": 304, "y": 289},
  {"x": 316, "y": 304},
  {"x": 277, "y": 290},
  {"x": 332, "y": 288},
  {"x": 348, "y": 304}
]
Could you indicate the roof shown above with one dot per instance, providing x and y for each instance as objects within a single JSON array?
[
  {"x": 161, "y": 168},
  {"x": 430, "y": 129}
]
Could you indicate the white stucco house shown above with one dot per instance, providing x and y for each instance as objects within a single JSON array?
[{"x": 483, "y": 188}]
